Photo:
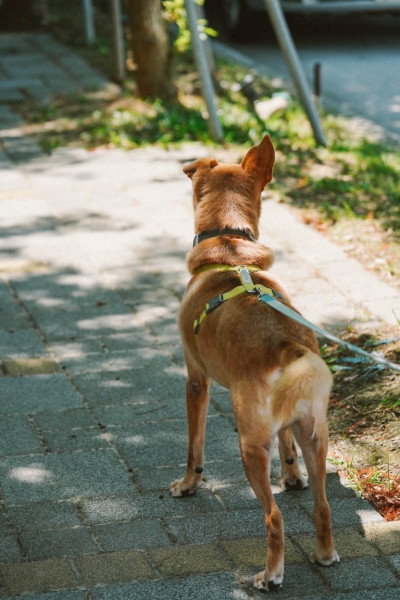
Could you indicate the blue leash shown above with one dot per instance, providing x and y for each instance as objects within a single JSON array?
[{"x": 285, "y": 310}]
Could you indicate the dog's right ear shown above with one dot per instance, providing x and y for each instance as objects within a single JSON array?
[
  {"x": 204, "y": 163},
  {"x": 260, "y": 159}
]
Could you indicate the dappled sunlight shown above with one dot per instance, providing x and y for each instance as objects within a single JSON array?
[
  {"x": 110, "y": 509},
  {"x": 135, "y": 440},
  {"x": 31, "y": 474},
  {"x": 117, "y": 322}
]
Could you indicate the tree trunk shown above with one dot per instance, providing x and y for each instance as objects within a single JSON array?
[{"x": 149, "y": 43}]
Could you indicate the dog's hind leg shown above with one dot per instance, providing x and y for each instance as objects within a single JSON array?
[
  {"x": 197, "y": 399},
  {"x": 255, "y": 446},
  {"x": 292, "y": 477},
  {"x": 313, "y": 440}
]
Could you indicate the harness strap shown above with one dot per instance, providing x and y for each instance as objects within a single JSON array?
[
  {"x": 247, "y": 286},
  {"x": 222, "y": 267}
]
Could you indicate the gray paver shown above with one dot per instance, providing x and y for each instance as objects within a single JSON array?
[
  {"x": 57, "y": 542},
  {"x": 385, "y": 594},
  {"x": 23, "y": 342},
  {"x": 126, "y": 536},
  {"x": 44, "y": 515},
  {"x": 168, "y": 445},
  {"x": 360, "y": 573},
  {"x": 17, "y": 436},
  {"x": 62, "y": 595},
  {"x": 234, "y": 524},
  {"x": 9, "y": 550},
  {"x": 220, "y": 587},
  {"x": 141, "y": 506},
  {"x": 36, "y": 393},
  {"x": 62, "y": 476}
]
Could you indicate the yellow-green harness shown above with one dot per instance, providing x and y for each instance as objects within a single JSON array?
[
  {"x": 269, "y": 297},
  {"x": 247, "y": 285}
]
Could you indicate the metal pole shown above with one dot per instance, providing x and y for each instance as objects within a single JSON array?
[
  {"x": 214, "y": 126},
  {"x": 118, "y": 41},
  {"x": 89, "y": 21},
  {"x": 205, "y": 40},
  {"x": 292, "y": 59}
]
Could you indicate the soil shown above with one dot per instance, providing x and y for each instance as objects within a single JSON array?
[{"x": 364, "y": 420}]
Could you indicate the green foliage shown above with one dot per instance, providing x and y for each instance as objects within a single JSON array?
[
  {"x": 391, "y": 402},
  {"x": 175, "y": 12}
]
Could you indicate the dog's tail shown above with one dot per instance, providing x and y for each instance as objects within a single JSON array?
[{"x": 302, "y": 389}]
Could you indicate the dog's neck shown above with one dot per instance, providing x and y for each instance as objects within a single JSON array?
[
  {"x": 205, "y": 235},
  {"x": 234, "y": 249}
]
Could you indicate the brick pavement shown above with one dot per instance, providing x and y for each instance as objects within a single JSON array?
[{"x": 92, "y": 389}]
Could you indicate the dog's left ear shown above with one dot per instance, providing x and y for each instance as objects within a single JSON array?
[
  {"x": 191, "y": 169},
  {"x": 260, "y": 160}
]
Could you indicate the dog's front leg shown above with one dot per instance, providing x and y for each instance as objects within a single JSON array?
[{"x": 197, "y": 398}]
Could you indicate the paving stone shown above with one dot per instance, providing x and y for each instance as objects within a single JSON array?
[
  {"x": 133, "y": 385},
  {"x": 136, "y": 506},
  {"x": 349, "y": 543},
  {"x": 63, "y": 595},
  {"x": 351, "y": 511},
  {"x": 219, "y": 587},
  {"x": 30, "y": 366},
  {"x": 44, "y": 515},
  {"x": 135, "y": 412},
  {"x": 64, "y": 420},
  {"x": 10, "y": 550},
  {"x": 216, "y": 474},
  {"x": 113, "y": 567},
  {"x": 129, "y": 536},
  {"x": 36, "y": 393},
  {"x": 21, "y": 342},
  {"x": 386, "y": 536},
  {"x": 57, "y": 543},
  {"x": 252, "y": 552},
  {"x": 39, "y": 576},
  {"x": 149, "y": 444},
  {"x": 58, "y": 477},
  {"x": 78, "y": 439},
  {"x": 360, "y": 574},
  {"x": 4, "y": 526},
  {"x": 189, "y": 560},
  {"x": 300, "y": 581},
  {"x": 17, "y": 436},
  {"x": 384, "y": 594},
  {"x": 236, "y": 524},
  {"x": 71, "y": 325},
  {"x": 395, "y": 561},
  {"x": 21, "y": 149},
  {"x": 93, "y": 355}
]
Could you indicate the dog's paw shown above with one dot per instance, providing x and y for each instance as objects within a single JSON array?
[
  {"x": 179, "y": 489},
  {"x": 266, "y": 583},
  {"x": 294, "y": 482},
  {"x": 327, "y": 561}
]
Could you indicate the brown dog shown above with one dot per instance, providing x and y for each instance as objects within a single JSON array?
[{"x": 270, "y": 364}]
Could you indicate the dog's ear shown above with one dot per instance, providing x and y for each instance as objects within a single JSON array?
[
  {"x": 260, "y": 160},
  {"x": 207, "y": 163}
]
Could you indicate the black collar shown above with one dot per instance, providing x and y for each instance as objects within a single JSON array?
[{"x": 204, "y": 235}]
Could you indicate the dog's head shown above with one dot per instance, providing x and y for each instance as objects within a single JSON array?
[{"x": 230, "y": 195}]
